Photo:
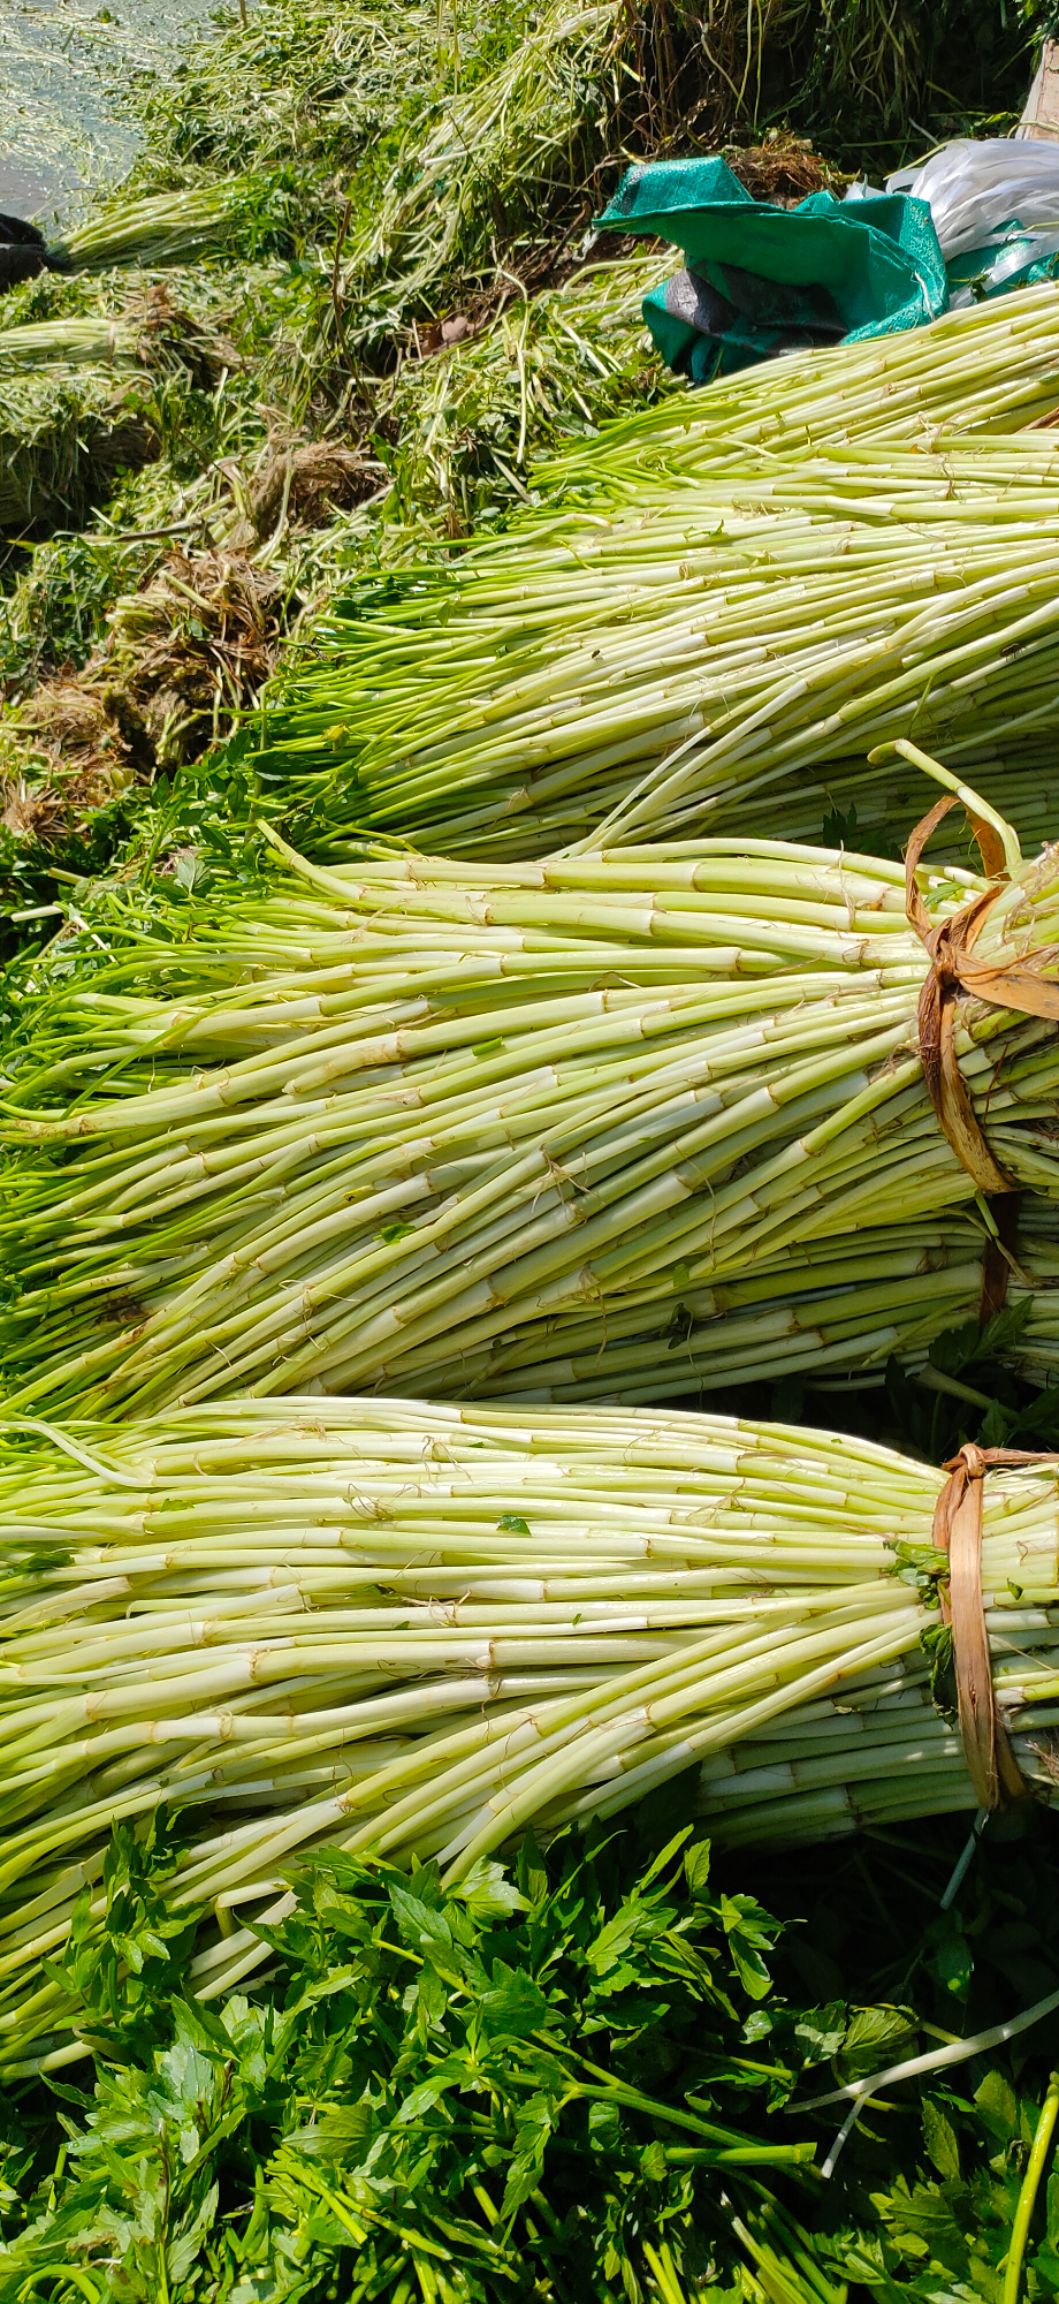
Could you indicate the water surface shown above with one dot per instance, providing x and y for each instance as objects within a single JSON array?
[{"x": 68, "y": 70}]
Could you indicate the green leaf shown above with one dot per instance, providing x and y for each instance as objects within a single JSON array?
[
  {"x": 531, "y": 1873},
  {"x": 875, "y": 2038},
  {"x": 820, "y": 2032},
  {"x": 605, "y": 1956},
  {"x": 605, "y": 2126},
  {"x": 922, "y": 2220},
  {"x": 749, "y": 1932},
  {"x": 939, "y": 2136},
  {"x": 535, "y": 2126},
  {"x": 997, "y": 2106},
  {"x": 185, "y": 2249},
  {"x": 419, "y": 2101},
  {"x": 514, "y": 2005},
  {"x": 418, "y": 1922},
  {"x": 339, "y": 2133},
  {"x": 697, "y": 1867},
  {"x": 489, "y": 1892}
]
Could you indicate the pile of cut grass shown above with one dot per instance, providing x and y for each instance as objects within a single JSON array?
[
  {"x": 64, "y": 442},
  {"x": 301, "y": 84},
  {"x": 467, "y": 423}
]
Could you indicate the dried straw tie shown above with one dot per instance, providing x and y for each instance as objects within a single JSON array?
[
  {"x": 950, "y": 943},
  {"x": 994, "y": 1771},
  {"x": 954, "y": 973}
]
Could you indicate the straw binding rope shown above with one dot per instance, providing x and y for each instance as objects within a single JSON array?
[
  {"x": 995, "y": 1774},
  {"x": 994, "y": 1771},
  {"x": 953, "y": 973}
]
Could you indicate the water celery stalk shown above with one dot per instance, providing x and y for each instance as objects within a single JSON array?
[
  {"x": 91, "y": 340},
  {"x": 418, "y": 1125},
  {"x": 172, "y": 227},
  {"x": 830, "y": 1313},
  {"x": 728, "y": 652},
  {"x": 408, "y": 1629},
  {"x": 991, "y": 368}
]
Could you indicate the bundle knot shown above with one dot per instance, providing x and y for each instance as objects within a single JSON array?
[
  {"x": 991, "y": 1764},
  {"x": 953, "y": 974}
]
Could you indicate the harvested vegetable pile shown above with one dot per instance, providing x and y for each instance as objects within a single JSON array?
[
  {"x": 523, "y": 133},
  {"x": 726, "y": 652},
  {"x": 463, "y": 425},
  {"x": 304, "y": 86},
  {"x": 63, "y": 444},
  {"x": 497, "y": 174},
  {"x": 712, "y": 612},
  {"x": 343, "y": 1740},
  {"x": 398, "y": 1628},
  {"x": 414, "y": 1124}
]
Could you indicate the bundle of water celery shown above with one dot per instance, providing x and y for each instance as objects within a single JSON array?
[
  {"x": 409, "y": 1629},
  {"x": 417, "y": 1125},
  {"x": 991, "y": 368},
  {"x": 730, "y": 647}
]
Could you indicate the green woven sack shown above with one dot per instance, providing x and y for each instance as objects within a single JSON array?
[{"x": 761, "y": 279}]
